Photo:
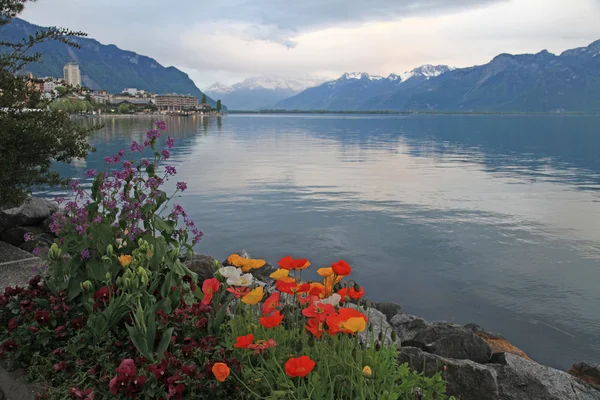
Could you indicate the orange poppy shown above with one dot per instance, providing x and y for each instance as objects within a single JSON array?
[
  {"x": 271, "y": 304},
  {"x": 329, "y": 282},
  {"x": 325, "y": 272},
  {"x": 239, "y": 291},
  {"x": 315, "y": 327},
  {"x": 299, "y": 366},
  {"x": 272, "y": 321},
  {"x": 209, "y": 287},
  {"x": 288, "y": 263},
  {"x": 246, "y": 264},
  {"x": 317, "y": 289},
  {"x": 243, "y": 342},
  {"x": 341, "y": 268},
  {"x": 125, "y": 260},
  {"x": 221, "y": 371}
]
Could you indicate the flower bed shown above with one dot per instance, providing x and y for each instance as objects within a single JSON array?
[{"x": 116, "y": 314}]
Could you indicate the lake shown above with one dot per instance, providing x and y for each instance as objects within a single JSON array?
[{"x": 486, "y": 219}]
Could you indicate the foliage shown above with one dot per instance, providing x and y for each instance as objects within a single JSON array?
[
  {"x": 204, "y": 99},
  {"x": 126, "y": 108},
  {"x": 50, "y": 135},
  {"x": 71, "y": 106},
  {"x": 219, "y": 106}
]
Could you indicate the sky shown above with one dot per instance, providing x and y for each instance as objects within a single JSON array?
[{"x": 230, "y": 40}]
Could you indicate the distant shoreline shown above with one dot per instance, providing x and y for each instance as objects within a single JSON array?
[{"x": 383, "y": 112}]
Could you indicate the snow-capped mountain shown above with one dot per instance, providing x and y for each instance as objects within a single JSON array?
[
  {"x": 358, "y": 90},
  {"x": 261, "y": 92}
]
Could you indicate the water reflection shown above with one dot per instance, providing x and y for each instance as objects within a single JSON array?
[{"x": 488, "y": 219}]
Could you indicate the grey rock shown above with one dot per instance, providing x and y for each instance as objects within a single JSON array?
[
  {"x": 16, "y": 236},
  {"x": 519, "y": 379},
  {"x": 388, "y": 309},
  {"x": 203, "y": 265},
  {"x": 32, "y": 212},
  {"x": 441, "y": 338},
  {"x": 379, "y": 322},
  {"x": 590, "y": 373},
  {"x": 465, "y": 379}
]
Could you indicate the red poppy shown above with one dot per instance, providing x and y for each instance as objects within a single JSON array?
[
  {"x": 335, "y": 323},
  {"x": 272, "y": 321},
  {"x": 288, "y": 263},
  {"x": 343, "y": 292},
  {"x": 356, "y": 294},
  {"x": 209, "y": 287},
  {"x": 239, "y": 291},
  {"x": 306, "y": 299},
  {"x": 299, "y": 366},
  {"x": 319, "y": 311},
  {"x": 292, "y": 287},
  {"x": 317, "y": 289},
  {"x": 261, "y": 345},
  {"x": 341, "y": 268},
  {"x": 243, "y": 342},
  {"x": 271, "y": 304},
  {"x": 347, "y": 313},
  {"x": 315, "y": 327}
]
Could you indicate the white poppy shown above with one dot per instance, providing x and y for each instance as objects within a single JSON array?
[
  {"x": 333, "y": 300},
  {"x": 241, "y": 280},
  {"x": 230, "y": 272}
]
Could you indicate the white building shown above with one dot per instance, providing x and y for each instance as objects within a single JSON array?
[
  {"x": 72, "y": 74},
  {"x": 134, "y": 91}
]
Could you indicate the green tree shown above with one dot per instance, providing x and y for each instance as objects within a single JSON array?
[
  {"x": 203, "y": 98},
  {"x": 126, "y": 108},
  {"x": 32, "y": 135},
  {"x": 219, "y": 105}
]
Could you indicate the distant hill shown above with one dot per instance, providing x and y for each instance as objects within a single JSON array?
[
  {"x": 102, "y": 66},
  {"x": 261, "y": 92},
  {"x": 542, "y": 82},
  {"x": 359, "y": 90}
]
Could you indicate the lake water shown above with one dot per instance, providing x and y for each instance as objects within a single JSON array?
[{"x": 486, "y": 219}]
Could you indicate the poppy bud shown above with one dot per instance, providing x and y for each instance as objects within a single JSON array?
[
  {"x": 311, "y": 341},
  {"x": 380, "y": 336},
  {"x": 356, "y": 287},
  {"x": 394, "y": 336},
  {"x": 216, "y": 265},
  {"x": 299, "y": 347},
  {"x": 377, "y": 346},
  {"x": 370, "y": 328}
]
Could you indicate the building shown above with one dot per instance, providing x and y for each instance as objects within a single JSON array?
[
  {"x": 176, "y": 102},
  {"x": 72, "y": 74},
  {"x": 100, "y": 96}
]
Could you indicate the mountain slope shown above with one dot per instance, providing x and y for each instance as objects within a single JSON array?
[
  {"x": 261, "y": 92},
  {"x": 541, "y": 82},
  {"x": 102, "y": 66},
  {"x": 359, "y": 90}
]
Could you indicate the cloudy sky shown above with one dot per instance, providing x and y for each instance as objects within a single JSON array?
[{"x": 229, "y": 40}]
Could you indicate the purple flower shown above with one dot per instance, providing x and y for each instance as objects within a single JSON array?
[
  {"x": 178, "y": 210},
  {"x": 98, "y": 219},
  {"x": 147, "y": 143},
  {"x": 108, "y": 160},
  {"x": 127, "y": 164},
  {"x": 135, "y": 146},
  {"x": 181, "y": 186},
  {"x": 145, "y": 162},
  {"x": 36, "y": 251},
  {"x": 59, "y": 200},
  {"x": 152, "y": 134},
  {"x": 85, "y": 255},
  {"x": 90, "y": 173},
  {"x": 170, "y": 142},
  {"x": 166, "y": 154},
  {"x": 161, "y": 125},
  {"x": 28, "y": 237},
  {"x": 75, "y": 185},
  {"x": 170, "y": 170}
]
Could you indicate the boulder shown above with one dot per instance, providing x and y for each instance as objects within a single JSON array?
[
  {"x": 519, "y": 379},
  {"x": 379, "y": 322},
  {"x": 465, "y": 379},
  {"x": 388, "y": 309},
  {"x": 32, "y": 212},
  {"x": 496, "y": 342},
  {"x": 203, "y": 265},
  {"x": 441, "y": 338},
  {"x": 42, "y": 240},
  {"x": 16, "y": 236},
  {"x": 589, "y": 373}
]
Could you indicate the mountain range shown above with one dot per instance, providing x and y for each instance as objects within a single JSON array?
[
  {"x": 261, "y": 92},
  {"x": 102, "y": 66},
  {"x": 542, "y": 82}
]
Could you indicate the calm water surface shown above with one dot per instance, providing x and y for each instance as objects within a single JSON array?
[{"x": 486, "y": 219}]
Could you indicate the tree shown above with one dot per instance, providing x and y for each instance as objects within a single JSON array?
[
  {"x": 203, "y": 99},
  {"x": 219, "y": 105},
  {"x": 32, "y": 135}
]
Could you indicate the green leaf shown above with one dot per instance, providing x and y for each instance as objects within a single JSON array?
[
  {"x": 43, "y": 303},
  {"x": 74, "y": 288},
  {"x": 97, "y": 270},
  {"x": 165, "y": 226},
  {"x": 165, "y": 340},
  {"x": 103, "y": 236},
  {"x": 151, "y": 335},
  {"x": 139, "y": 341}
]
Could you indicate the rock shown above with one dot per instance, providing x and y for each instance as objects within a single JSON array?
[
  {"x": 465, "y": 379},
  {"x": 388, "y": 309},
  {"x": 203, "y": 265},
  {"x": 16, "y": 236},
  {"x": 441, "y": 338},
  {"x": 32, "y": 212},
  {"x": 496, "y": 342},
  {"x": 379, "y": 322},
  {"x": 589, "y": 373},
  {"x": 519, "y": 378}
]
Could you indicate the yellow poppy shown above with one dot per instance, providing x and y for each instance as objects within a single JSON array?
[
  {"x": 325, "y": 272},
  {"x": 246, "y": 264},
  {"x": 356, "y": 324},
  {"x": 254, "y": 296},
  {"x": 125, "y": 260},
  {"x": 367, "y": 372},
  {"x": 280, "y": 273}
]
